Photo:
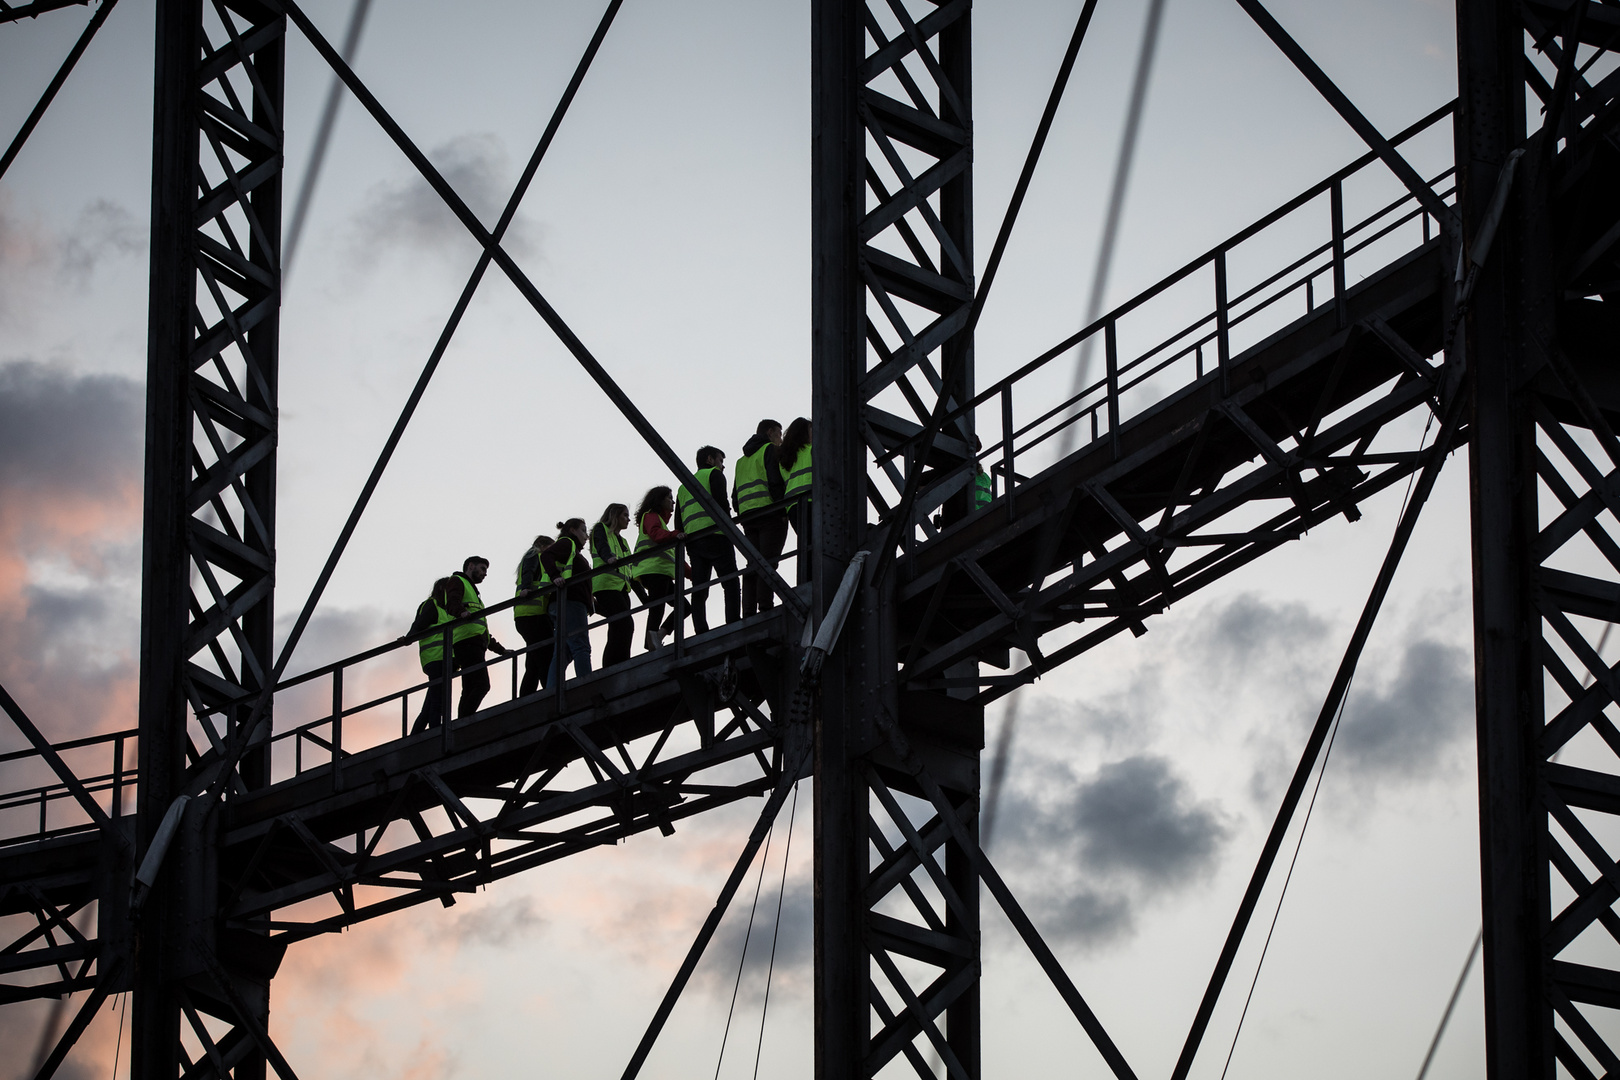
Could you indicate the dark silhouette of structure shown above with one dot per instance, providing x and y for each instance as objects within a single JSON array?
[{"x": 1484, "y": 297}]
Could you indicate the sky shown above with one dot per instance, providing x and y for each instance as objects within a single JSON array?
[{"x": 670, "y": 227}]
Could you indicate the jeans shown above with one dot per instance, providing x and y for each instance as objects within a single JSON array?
[
  {"x": 713, "y": 555},
  {"x": 575, "y": 643},
  {"x": 535, "y": 629},
  {"x": 769, "y": 536}
]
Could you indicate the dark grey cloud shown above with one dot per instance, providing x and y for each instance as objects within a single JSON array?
[
  {"x": 1091, "y": 850},
  {"x": 1138, "y": 818},
  {"x": 104, "y": 229},
  {"x": 792, "y": 972},
  {"x": 409, "y": 214},
  {"x": 1249, "y": 637},
  {"x": 63, "y": 433},
  {"x": 496, "y": 924},
  {"x": 1404, "y": 727}
]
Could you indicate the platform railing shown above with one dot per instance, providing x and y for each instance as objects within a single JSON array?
[
  {"x": 37, "y": 805},
  {"x": 331, "y": 736},
  {"x": 1038, "y": 422}
]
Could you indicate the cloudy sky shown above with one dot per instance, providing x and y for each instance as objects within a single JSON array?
[{"x": 670, "y": 226}]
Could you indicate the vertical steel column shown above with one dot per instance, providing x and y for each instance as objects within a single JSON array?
[
  {"x": 209, "y": 550},
  {"x": 838, "y": 518},
  {"x": 1490, "y": 123},
  {"x": 1544, "y": 463},
  {"x": 165, "y": 569},
  {"x": 897, "y": 961}
]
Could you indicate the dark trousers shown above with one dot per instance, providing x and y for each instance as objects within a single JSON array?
[
  {"x": 712, "y": 555},
  {"x": 432, "y": 714},
  {"x": 801, "y": 533},
  {"x": 769, "y": 536},
  {"x": 614, "y": 604},
  {"x": 469, "y": 653},
  {"x": 658, "y": 586},
  {"x": 535, "y": 629}
]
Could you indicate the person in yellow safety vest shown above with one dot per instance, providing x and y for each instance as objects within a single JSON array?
[
  {"x": 793, "y": 457},
  {"x": 984, "y": 491},
  {"x": 656, "y": 572},
  {"x": 565, "y": 562},
  {"x": 472, "y": 638},
  {"x": 759, "y": 484},
  {"x": 445, "y": 603},
  {"x": 611, "y": 590},
  {"x": 532, "y": 615},
  {"x": 707, "y": 547}
]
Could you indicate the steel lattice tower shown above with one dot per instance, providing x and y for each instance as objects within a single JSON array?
[{"x": 1497, "y": 320}]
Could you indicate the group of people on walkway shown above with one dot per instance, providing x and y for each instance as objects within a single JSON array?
[{"x": 558, "y": 588}]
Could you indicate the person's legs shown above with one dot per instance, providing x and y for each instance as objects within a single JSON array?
[
  {"x": 770, "y": 537},
  {"x": 801, "y": 532},
  {"x": 535, "y": 629},
  {"x": 579, "y": 640},
  {"x": 751, "y": 584},
  {"x": 432, "y": 714},
  {"x": 615, "y": 604},
  {"x": 658, "y": 586},
  {"x": 700, "y": 554},
  {"x": 725, "y": 565},
  {"x": 475, "y": 683}
]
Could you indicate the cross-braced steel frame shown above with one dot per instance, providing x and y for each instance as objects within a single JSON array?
[{"x": 875, "y": 676}]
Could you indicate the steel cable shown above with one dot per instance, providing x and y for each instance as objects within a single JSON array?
[
  {"x": 1305, "y": 822},
  {"x": 776, "y": 931},
  {"x": 764, "y": 858}
]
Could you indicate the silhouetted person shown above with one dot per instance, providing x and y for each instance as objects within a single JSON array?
[
  {"x": 532, "y": 616},
  {"x": 758, "y": 484},
  {"x": 707, "y": 547}
]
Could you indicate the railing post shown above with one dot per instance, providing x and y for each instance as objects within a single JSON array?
[
  {"x": 118, "y": 777},
  {"x": 1337, "y": 204},
  {"x": 445, "y": 700},
  {"x": 1223, "y": 336},
  {"x": 679, "y": 597},
  {"x": 1111, "y": 342},
  {"x": 337, "y": 729},
  {"x": 1007, "y": 443}
]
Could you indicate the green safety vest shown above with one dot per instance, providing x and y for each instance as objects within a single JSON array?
[
  {"x": 797, "y": 478},
  {"x": 615, "y": 580},
  {"x": 431, "y": 648},
  {"x": 661, "y": 563},
  {"x": 476, "y": 628},
  {"x": 750, "y": 487},
  {"x": 983, "y": 492},
  {"x": 693, "y": 517},
  {"x": 534, "y": 605},
  {"x": 565, "y": 567}
]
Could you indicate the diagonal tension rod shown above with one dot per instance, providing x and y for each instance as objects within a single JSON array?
[
  {"x": 242, "y": 736},
  {"x": 443, "y": 343},
  {"x": 1436, "y": 458},
  {"x": 543, "y": 307},
  {"x": 767, "y": 817},
  {"x": 59, "y": 767},
  {"x": 1445, "y": 215},
  {"x": 62, "y": 73}
]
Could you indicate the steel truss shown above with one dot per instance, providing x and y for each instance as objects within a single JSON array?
[
  {"x": 1541, "y": 337},
  {"x": 207, "y": 617},
  {"x": 1197, "y": 454}
]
